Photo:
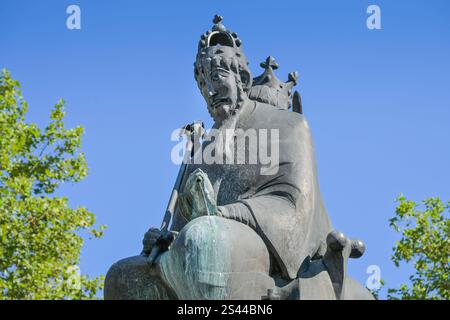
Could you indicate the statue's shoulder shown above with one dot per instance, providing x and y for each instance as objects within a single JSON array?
[{"x": 279, "y": 118}]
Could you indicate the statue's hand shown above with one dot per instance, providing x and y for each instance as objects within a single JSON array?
[
  {"x": 150, "y": 238},
  {"x": 161, "y": 244}
]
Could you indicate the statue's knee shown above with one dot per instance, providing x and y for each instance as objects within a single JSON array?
[
  {"x": 214, "y": 258},
  {"x": 224, "y": 244},
  {"x": 203, "y": 232}
]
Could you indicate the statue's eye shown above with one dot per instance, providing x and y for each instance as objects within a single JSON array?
[{"x": 218, "y": 76}]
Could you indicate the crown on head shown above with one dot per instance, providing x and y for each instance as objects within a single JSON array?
[
  {"x": 219, "y": 46},
  {"x": 266, "y": 88},
  {"x": 219, "y": 35}
]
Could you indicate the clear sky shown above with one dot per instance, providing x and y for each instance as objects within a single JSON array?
[{"x": 378, "y": 102}]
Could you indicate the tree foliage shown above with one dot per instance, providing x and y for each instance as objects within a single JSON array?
[
  {"x": 40, "y": 239},
  {"x": 425, "y": 243}
]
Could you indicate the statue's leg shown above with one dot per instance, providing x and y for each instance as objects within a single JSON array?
[
  {"x": 217, "y": 258},
  {"x": 132, "y": 279}
]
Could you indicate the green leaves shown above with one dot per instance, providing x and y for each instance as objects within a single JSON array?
[
  {"x": 40, "y": 236},
  {"x": 425, "y": 242}
]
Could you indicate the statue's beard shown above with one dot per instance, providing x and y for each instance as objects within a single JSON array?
[
  {"x": 225, "y": 117},
  {"x": 223, "y": 111},
  {"x": 226, "y": 108}
]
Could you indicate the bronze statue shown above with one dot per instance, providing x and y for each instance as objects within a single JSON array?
[{"x": 243, "y": 227}]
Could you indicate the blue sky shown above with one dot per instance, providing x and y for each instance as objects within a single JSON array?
[{"x": 378, "y": 102}]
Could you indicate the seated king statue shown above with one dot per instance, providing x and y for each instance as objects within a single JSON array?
[{"x": 241, "y": 224}]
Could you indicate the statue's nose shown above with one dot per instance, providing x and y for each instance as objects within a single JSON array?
[{"x": 211, "y": 91}]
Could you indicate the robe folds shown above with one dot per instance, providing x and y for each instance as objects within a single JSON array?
[{"x": 284, "y": 204}]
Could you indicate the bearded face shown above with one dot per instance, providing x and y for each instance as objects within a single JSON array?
[
  {"x": 221, "y": 92},
  {"x": 223, "y": 78}
]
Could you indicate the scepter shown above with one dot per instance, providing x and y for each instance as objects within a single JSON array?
[{"x": 192, "y": 131}]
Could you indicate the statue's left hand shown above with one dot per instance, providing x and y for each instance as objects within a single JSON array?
[
  {"x": 162, "y": 244},
  {"x": 150, "y": 238}
]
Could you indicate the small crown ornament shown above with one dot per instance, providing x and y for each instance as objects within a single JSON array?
[{"x": 267, "y": 88}]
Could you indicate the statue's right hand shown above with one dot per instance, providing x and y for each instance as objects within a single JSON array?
[{"x": 149, "y": 240}]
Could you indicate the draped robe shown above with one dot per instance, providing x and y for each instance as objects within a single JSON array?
[{"x": 285, "y": 207}]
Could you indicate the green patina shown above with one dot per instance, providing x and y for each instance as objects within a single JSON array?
[{"x": 199, "y": 267}]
